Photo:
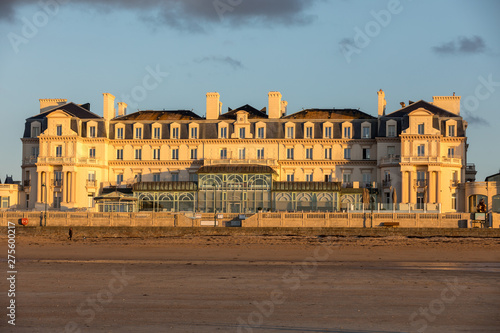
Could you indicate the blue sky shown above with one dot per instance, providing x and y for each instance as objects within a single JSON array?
[{"x": 317, "y": 53}]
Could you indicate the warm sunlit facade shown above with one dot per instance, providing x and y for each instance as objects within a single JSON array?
[{"x": 246, "y": 160}]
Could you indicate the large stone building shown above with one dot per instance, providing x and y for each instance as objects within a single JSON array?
[{"x": 246, "y": 159}]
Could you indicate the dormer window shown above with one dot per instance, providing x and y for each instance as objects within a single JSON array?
[
  {"x": 327, "y": 131},
  {"x": 156, "y": 131},
  {"x": 290, "y": 130},
  {"x": 35, "y": 129},
  {"x": 119, "y": 133},
  {"x": 242, "y": 133},
  {"x": 347, "y": 131},
  {"x": 260, "y": 128},
  {"x": 222, "y": 129},
  {"x": 138, "y": 131},
  {"x": 175, "y": 131},
  {"x": 308, "y": 131},
  {"x": 366, "y": 130},
  {"x": 391, "y": 129},
  {"x": 92, "y": 131},
  {"x": 59, "y": 130},
  {"x": 194, "y": 131},
  {"x": 421, "y": 129}
]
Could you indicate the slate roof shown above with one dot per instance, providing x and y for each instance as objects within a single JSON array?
[
  {"x": 236, "y": 168},
  {"x": 253, "y": 113},
  {"x": 161, "y": 115},
  {"x": 422, "y": 104},
  {"x": 493, "y": 178},
  {"x": 329, "y": 114},
  {"x": 78, "y": 111}
]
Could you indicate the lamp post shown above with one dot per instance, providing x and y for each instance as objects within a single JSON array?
[{"x": 45, "y": 215}]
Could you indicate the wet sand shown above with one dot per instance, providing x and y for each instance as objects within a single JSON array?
[{"x": 256, "y": 284}]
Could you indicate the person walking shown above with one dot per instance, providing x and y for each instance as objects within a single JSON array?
[{"x": 70, "y": 234}]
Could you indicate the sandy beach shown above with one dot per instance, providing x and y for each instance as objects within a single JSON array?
[{"x": 245, "y": 283}]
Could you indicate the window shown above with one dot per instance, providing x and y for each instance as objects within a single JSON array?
[
  {"x": 35, "y": 132},
  {"x": 367, "y": 179},
  {"x": 454, "y": 201},
  {"x": 59, "y": 130},
  {"x": 309, "y": 132},
  {"x": 309, "y": 153},
  {"x": 156, "y": 177},
  {"x": 391, "y": 151},
  {"x": 223, "y": 154},
  {"x": 347, "y": 132},
  {"x": 451, "y": 152},
  {"x": 223, "y": 133},
  {"x": 194, "y": 133},
  {"x": 194, "y": 154},
  {"x": 328, "y": 132},
  {"x": 347, "y": 153},
  {"x": 156, "y": 133},
  {"x": 119, "y": 154},
  {"x": 91, "y": 176},
  {"x": 366, "y": 132},
  {"x": 346, "y": 178},
  {"x": 391, "y": 131},
  {"x": 421, "y": 175},
  {"x": 260, "y": 133},
  {"x": 421, "y": 150},
  {"x": 289, "y": 132},
  {"x": 138, "y": 178},
  {"x": 289, "y": 153},
  {"x": 366, "y": 153},
  {"x": 57, "y": 178},
  {"x": 138, "y": 154},
  {"x": 92, "y": 132},
  {"x": 175, "y": 153},
  {"x": 260, "y": 154},
  {"x": 175, "y": 177},
  {"x": 309, "y": 177},
  {"x": 242, "y": 133},
  {"x": 289, "y": 178},
  {"x": 59, "y": 151},
  {"x": 138, "y": 133},
  {"x": 119, "y": 178},
  {"x": 451, "y": 130},
  {"x": 241, "y": 153},
  {"x": 328, "y": 178},
  {"x": 119, "y": 133},
  {"x": 328, "y": 153},
  {"x": 92, "y": 152},
  {"x": 35, "y": 151},
  {"x": 387, "y": 176},
  {"x": 175, "y": 133},
  {"x": 421, "y": 129},
  {"x": 156, "y": 154}
]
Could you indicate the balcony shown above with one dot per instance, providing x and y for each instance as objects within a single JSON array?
[
  {"x": 91, "y": 183},
  {"x": 454, "y": 182},
  {"x": 347, "y": 185},
  {"x": 30, "y": 160},
  {"x": 421, "y": 182},
  {"x": 386, "y": 183},
  {"x": 420, "y": 159},
  {"x": 390, "y": 159},
  {"x": 27, "y": 183},
  {"x": 56, "y": 160},
  {"x": 268, "y": 162},
  {"x": 58, "y": 183}
]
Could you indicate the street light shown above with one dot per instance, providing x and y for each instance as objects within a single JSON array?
[{"x": 45, "y": 216}]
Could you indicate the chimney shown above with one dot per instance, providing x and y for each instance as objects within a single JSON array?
[
  {"x": 109, "y": 106},
  {"x": 214, "y": 106},
  {"x": 276, "y": 107},
  {"x": 381, "y": 103},
  {"x": 51, "y": 103},
  {"x": 122, "y": 109},
  {"x": 448, "y": 103}
]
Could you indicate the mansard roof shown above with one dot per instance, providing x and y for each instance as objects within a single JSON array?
[
  {"x": 253, "y": 113},
  {"x": 424, "y": 105},
  {"x": 160, "y": 115},
  {"x": 339, "y": 114},
  {"x": 78, "y": 111}
]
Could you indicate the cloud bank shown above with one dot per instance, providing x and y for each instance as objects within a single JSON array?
[{"x": 462, "y": 45}]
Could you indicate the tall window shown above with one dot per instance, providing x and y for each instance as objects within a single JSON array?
[
  {"x": 175, "y": 153},
  {"x": 347, "y": 132},
  {"x": 328, "y": 132},
  {"x": 309, "y": 153},
  {"x": 366, "y": 132},
  {"x": 242, "y": 133},
  {"x": 175, "y": 133},
  {"x": 453, "y": 201},
  {"x": 260, "y": 153},
  {"x": 35, "y": 132},
  {"x": 138, "y": 178},
  {"x": 391, "y": 151},
  {"x": 260, "y": 132},
  {"x": 421, "y": 175},
  {"x": 138, "y": 133},
  {"x": 223, "y": 154},
  {"x": 223, "y": 133},
  {"x": 92, "y": 132},
  {"x": 194, "y": 154},
  {"x": 421, "y": 129},
  {"x": 451, "y": 152},
  {"x": 156, "y": 133},
  {"x": 391, "y": 131},
  {"x": 119, "y": 178},
  {"x": 309, "y": 177},
  {"x": 194, "y": 133},
  {"x": 289, "y": 132},
  {"x": 451, "y": 130},
  {"x": 35, "y": 151},
  {"x": 289, "y": 153},
  {"x": 366, "y": 153},
  {"x": 290, "y": 178},
  {"x": 138, "y": 154},
  {"x": 347, "y": 153},
  {"x": 59, "y": 130},
  {"x": 175, "y": 177},
  {"x": 92, "y": 152},
  {"x": 91, "y": 176},
  {"x": 346, "y": 178},
  {"x": 367, "y": 178},
  {"x": 328, "y": 153},
  {"x": 156, "y": 153},
  {"x": 58, "y": 178},
  {"x": 59, "y": 151},
  {"x": 119, "y": 154},
  {"x": 309, "y": 132},
  {"x": 421, "y": 150},
  {"x": 241, "y": 153},
  {"x": 119, "y": 133},
  {"x": 156, "y": 177}
]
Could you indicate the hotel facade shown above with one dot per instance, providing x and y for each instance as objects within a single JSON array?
[{"x": 246, "y": 159}]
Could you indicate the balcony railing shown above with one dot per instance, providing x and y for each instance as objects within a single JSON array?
[
  {"x": 347, "y": 185},
  {"x": 56, "y": 160},
  {"x": 30, "y": 160},
  {"x": 421, "y": 182},
  {"x": 386, "y": 183},
  {"x": 431, "y": 159},
  {"x": 268, "y": 162},
  {"x": 470, "y": 168},
  {"x": 27, "y": 183},
  {"x": 390, "y": 159},
  {"x": 454, "y": 182},
  {"x": 91, "y": 183},
  {"x": 58, "y": 182}
]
